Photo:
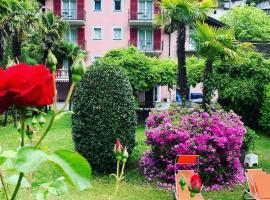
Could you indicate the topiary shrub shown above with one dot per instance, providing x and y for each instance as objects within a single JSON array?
[
  {"x": 216, "y": 137},
  {"x": 264, "y": 121},
  {"x": 104, "y": 110}
]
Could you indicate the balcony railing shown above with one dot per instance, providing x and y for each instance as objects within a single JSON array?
[
  {"x": 73, "y": 14},
  {"x": 62, "y": 75},
  {"x": 147, "y": 46},
  {"x": 141, "y": 15}
]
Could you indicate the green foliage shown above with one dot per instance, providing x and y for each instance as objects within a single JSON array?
[
  {"x": 249, "y": 141},
  {"x": 104, "y": 108},
  {"x": 265, "y": 109},
  {"x": 195, "y": 69},
  {"x": 143, "y": 72},
  {"x": 249, "y": 23},
  {"x": 241, "y": 85},
  {"x": 212, "y": 43},
  {"x": 164, "y": 72},
  {"x": 29, "y": 159}
]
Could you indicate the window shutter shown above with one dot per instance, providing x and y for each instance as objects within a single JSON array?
[
  {"x": 157, "y": 39},
  {"x": 157, "y": 6},
  {"x": 57, "y": 7},
  {"x": 81, "y": 38},
  {"x": 133, "y": 9},
  {"x": 133, "y": 36},
  {"x": 80, "y": 10}
]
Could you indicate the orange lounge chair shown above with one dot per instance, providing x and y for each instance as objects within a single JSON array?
[
  {"x": 259, "y": 185},
  {"x": 185, "y": 160}
]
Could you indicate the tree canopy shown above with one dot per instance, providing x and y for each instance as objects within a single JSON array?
[
  {"x": 143, "y": 72},
  {"x": 240, "y": 85},
  {"x": 249, "y": 23}
]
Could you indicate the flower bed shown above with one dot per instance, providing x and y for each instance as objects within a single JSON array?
[{"x": 217, "y": 138}]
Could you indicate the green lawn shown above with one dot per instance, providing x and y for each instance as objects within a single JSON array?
[{"x": 135, "y": 186}]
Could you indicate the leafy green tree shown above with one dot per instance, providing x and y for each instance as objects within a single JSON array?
[
  {"x": 249, "y": 23},
  {"x": 213, "y": 44},
  {"x": 241, "y": 85},
  {"x": 143, "y": 72},
  {"x": 264, "y": 121},
  {"x": 176, "y": 15}
]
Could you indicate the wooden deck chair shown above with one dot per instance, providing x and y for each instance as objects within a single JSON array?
[
  {"x": 258, "y": 183},
  {"x": 185, "y": 160}
]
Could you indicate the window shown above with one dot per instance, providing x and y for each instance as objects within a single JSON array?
[
  {"x": 117, "y": 33},
  {"x": 117, "y": 5},
  {"x": 97, "y": 33},
  {"x": 69, "y": 9},
  {"x": 145, "y": 39},
  {"x": 97, "y": 5},
  {"x": 71, "y": 35}
]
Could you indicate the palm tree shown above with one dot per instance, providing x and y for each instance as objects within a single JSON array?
[
  {"x": 68, "y": 51},
  {"x": 23, "y": 16},
  {"x": 53, "y": 29},
  {"x": 176, "y": 15},
  {"x": 212, "y": 44}
]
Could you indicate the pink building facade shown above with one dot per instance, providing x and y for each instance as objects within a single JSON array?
[
  {"x": 98, "y": 26},
  {"x": 101, "y": 25}
]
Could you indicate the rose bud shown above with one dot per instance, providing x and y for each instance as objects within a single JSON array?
[
  {"x": 51, "y": 61},
  {"x": 34, "y": 121},
  {"x": 182, "y": 182},
  {"x": 41, "y": 121},
  {"x": 125, "y": 155},
  {"x": 118, "y": 150},
  {"x": 29, "y": 131},
  {"x": 195, "y": 184},
  {"x": 78, "y": 69}
]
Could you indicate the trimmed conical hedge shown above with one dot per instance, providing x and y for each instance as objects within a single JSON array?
[{"x": 104, "y": 110}]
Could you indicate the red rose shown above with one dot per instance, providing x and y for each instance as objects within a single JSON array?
[
  {"x": 195, "y": 184},
  {"x": 23, "y": 85}
]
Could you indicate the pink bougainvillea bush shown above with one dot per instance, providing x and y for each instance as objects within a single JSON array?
[{"x": 217, "y": 138}]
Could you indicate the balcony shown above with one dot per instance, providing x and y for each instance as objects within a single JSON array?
[
  {"x": 141, "y": 17},
  {"x": 62, "y": 75},
  {"x": 74, "y": 17},
  {"x": 148, "y": 47}
]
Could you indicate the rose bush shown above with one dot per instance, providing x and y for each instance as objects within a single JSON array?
[
  {"x": 217, "y": 138},
  {"x": 26, "y": 87},
  {"x": 22, "y": 85}
]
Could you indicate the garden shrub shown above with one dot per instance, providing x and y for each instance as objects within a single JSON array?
[
  {"x": 249, "y": 140},
  {"x": 104, "y": 110},
  {"x": 217, "y": 138},
  {"x": 265, "y": 109}
]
